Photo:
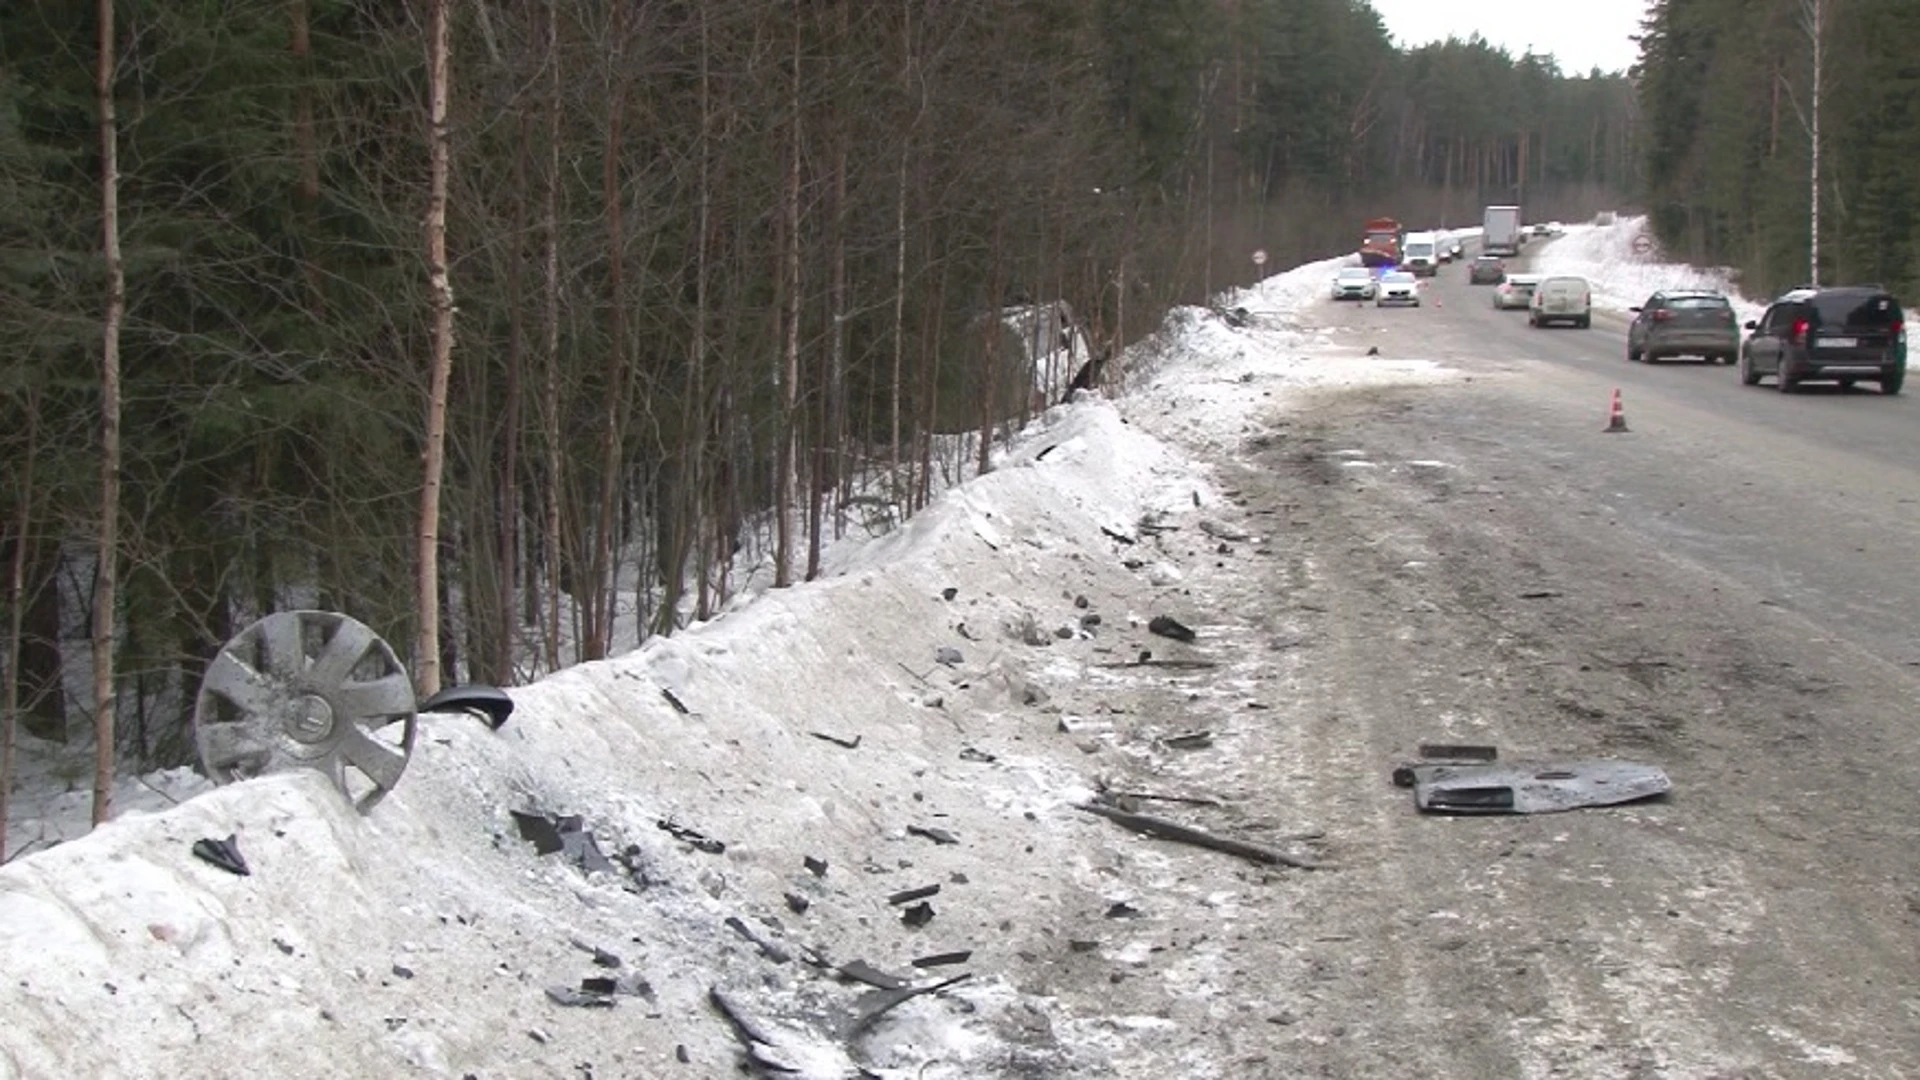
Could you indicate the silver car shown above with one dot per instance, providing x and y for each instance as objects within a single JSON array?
[
  {"x": 1691, "y": 323},
  {"x": 1354, "y": 283}
]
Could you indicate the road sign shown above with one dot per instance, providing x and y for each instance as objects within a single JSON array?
[
  {"x": 1642, "y": 244},
  {"x": 1260, "y": 257}
]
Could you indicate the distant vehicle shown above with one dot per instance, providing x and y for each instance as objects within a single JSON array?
[
  {"x": 1380, "y": 242},
  {"x": 1398, "y": 287},
  {"x": 1561, "y": 299},
  {"x": 1420, "y": 254},
  {"x": 1500, "y": 230},
  {"x": 1455, "y": 248},
  {"x": 1354, "y": 283},
  {"x": 1684, "y": 323},
  {"x": 1487, "y": 270},
  {"x": 1845, "y": 334},
  {"x": 1515, "y": 292}
]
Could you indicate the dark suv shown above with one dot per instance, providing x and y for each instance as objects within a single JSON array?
[
  {"x": 1691, "y": 323},
  {"x": 1843, "y": 334}
]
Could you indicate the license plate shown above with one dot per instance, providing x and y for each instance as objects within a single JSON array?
[{"x": 1839, "y": 342}]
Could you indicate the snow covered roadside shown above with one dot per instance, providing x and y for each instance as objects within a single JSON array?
[
  {"x": 1623, "y": 278},
  {"x": 890, "y": 721}
]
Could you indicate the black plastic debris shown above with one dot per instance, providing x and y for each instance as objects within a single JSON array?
[
  {"x": 944, "y": 959},
  {"x": 1534, "y": 789},
  {"x": 579, "y": 999},
  {"x": 938, "y": 836},
  {"x": 564, "y": 833},
  {"x": 699, "y": 841},
  {"x": 674, "y": 700},
  {"x": 948, "y": 655},
  {"x": 837, "y": 740},
  {"x": 224, "y": 854},
  {"x": 488, "y": 703},
  {"x": 919, "y": 914},
  {"x": 1188, "y": 740},
  {"x": 968, "y": 753},
  {"x": 816, "y": 867},
  {"x": 1169, "y": 627},
  {"x": 1120, "y": 909},
  {"x": 949, "y": 593},
  {"x": 796, "y": 903},
  {"x": 862, "y": 972},
  {"x": 768, "y": 949},
  {"x": 908, "y": 896}
]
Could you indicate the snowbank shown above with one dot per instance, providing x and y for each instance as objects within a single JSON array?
[{"x": 1623, "y": 278}]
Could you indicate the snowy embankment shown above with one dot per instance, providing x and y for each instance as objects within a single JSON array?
[
  {"x": 889, "y": 721},
  {"x": 1622, "y": 277}
]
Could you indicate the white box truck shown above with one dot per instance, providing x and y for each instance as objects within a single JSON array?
[
  {"x": 1500, "y": 232},
  {"x": 1420, "y": 254}
]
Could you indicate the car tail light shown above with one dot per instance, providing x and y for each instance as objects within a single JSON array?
[
  {"x": 1798, "y": 335},
  {"x": 1896, "y": 328},
  {"x": 1662, "y": 315}
]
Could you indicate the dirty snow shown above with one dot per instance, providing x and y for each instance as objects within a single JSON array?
[
  {"x": 1622, "y": 278},
  {"x": 424, "y": 938}
]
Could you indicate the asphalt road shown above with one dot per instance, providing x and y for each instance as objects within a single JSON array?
[{"x": 1724, "y": 591}]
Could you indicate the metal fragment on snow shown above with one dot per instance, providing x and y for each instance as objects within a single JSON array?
[{"x": 1534, "y": 789}]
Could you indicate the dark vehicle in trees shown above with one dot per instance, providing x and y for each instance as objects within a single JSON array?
[
  {"x": 1380, "y": 242},
  {"x": 1486, "y": 270},
  {"x": 1844, "y": 334},
  {"x": 1692, "y": 323}
]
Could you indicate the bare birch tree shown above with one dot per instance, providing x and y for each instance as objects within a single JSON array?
[
  {"x": 426, "y": 652},
  {"x": 108, "y": 548}
]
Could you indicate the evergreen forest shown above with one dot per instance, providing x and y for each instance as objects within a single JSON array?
[
  {"x": 1731, "y": 102},
  {"x": 541, "y": 324}
]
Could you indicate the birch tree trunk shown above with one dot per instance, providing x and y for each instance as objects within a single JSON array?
[
  {"x": 790, "y": 347},
  {"x": 426, "y": 653},
  {"x": 108, "y": 553},
  {"x": 550, "y": 392}
]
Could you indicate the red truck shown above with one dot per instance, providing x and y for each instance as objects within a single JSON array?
[{"x": 1380, "y": 242}]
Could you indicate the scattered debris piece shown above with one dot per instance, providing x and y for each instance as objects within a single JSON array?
[
  {"x": 943, "y": 959},
  {"x": 863, "y": 972},
  {"x": 1169, "y": 627},
  {"x": 938, "y": 836},
  {"x": 968, "y": 753},
  {"x": 1222, "y": 532},
  {"x": 1082, "y": 602},
  {"x": 1534, "y": 789},
  {"x": 949, "y": 593},
  {"x": 599, "y": 984},
  {"x": 919, "y": 914},
  {"x": 601, "y": 957},
  {"x": 907, "y": 896},
  {"x": 1121, "y": 537},
  {"x": 796, "y": 903},
  {"x": 948, "y": 655},
  {"x": 1147, "y": 796},
  {"x": 488, "y": 703},
  {"x": 1458, "y": 752},
  {"x": 578, "y": 999},
  {"x": 876, "y": 1003},
  {"x": 1188, "y": 740},
  {"x": 401, "y": 971},
  {"x": 1170, "y": 830},
  {"x": 1541, "y": 594},
  {"x": 768, "y": 949},
  {"x": 1122, "y": 910},
  {"x": 565, "y": 833},
  {"x": 224, "y": 854},
  {"x": 1042, "y": 455},
  {"x": 850, "y": 744},
  {"x": 674, "y": 700},
  {"x": 1147, "y": 660},
  {"x": 1090, "y": 620},
  {"x": 1081, "y": 945},
  {"x": 816, "y": 867},
  {"x": 699, "y": 841}
]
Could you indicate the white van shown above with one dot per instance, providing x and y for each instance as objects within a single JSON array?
[
  {"x": 1561, "y": 299},
  {"x": 1420, "y": 254}
]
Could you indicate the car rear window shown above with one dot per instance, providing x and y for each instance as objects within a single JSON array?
[
  {"x": 1864, "y": 309},
  {"x": 1698, "y": 303}
]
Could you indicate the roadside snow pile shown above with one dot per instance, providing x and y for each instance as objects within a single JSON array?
[
  {"x": 1622, "y": 278},
  {"x": 746, "y": 806}
]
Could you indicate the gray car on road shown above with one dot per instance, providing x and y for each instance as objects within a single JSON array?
[{"x": 1691, "y": 323}]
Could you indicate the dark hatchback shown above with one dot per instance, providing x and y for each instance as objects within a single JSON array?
[{"x": 1846, "y": 334}]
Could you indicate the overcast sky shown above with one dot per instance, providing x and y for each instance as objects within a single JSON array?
[{"x": 1582, "y": 34}]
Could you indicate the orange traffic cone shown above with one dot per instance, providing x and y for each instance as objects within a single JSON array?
[{"x": 1616, "y": 416}]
